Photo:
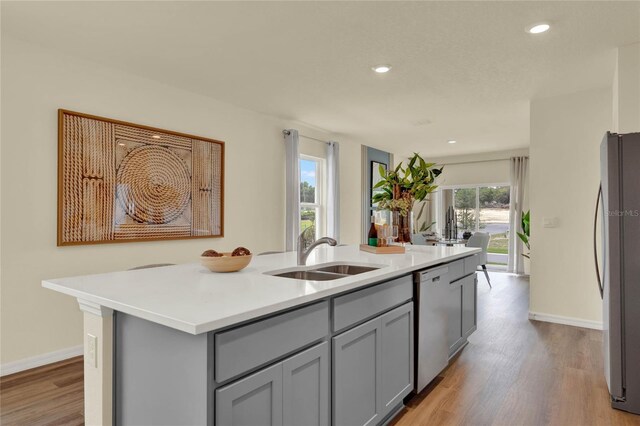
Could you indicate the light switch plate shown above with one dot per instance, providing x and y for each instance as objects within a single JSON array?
[
  {"x": 549, "y": 222},
  {"x": 91, "y": 357}
]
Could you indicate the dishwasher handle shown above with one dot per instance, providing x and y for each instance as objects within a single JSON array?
[{"x": 433, "y": 275}]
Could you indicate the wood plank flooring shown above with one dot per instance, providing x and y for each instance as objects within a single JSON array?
[
  {"x": 513, "y": 372},
  {"x": 48, "y": 395},
  {"x": 519, "y": 372}
]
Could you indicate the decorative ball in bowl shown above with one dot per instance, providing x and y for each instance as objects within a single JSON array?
[{"x": 226, "y": 261}]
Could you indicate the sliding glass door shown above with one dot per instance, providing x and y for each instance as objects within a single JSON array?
[
  {"x": 480, "y": 208},
  {"x": 493, "y": 218}
]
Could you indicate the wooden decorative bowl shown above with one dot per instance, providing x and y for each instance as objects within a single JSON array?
[{"x": 226, "y": 263}]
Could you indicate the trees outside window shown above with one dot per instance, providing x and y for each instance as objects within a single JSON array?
[
  {"x": 483, "y": 208},
  {"x": 465, "y": 205},
  {"x": 311, "y": 196}
]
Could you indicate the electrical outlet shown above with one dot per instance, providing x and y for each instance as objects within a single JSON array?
[{"x": 91, "y": 357}]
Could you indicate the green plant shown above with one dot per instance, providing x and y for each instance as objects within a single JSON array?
[
  {"x": 524, "y": 235},
  {"x": 424, "y": 227},
  {"x": 404, "y": 185}
]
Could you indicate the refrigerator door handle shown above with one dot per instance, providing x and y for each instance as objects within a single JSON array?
[{"x": 595, "y": 243}]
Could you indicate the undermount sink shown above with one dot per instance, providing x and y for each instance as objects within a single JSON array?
[
  {"x": 324, "y": 273},
  {"x": 310, "y": 275},
  {"x": 346, "y": 269}
]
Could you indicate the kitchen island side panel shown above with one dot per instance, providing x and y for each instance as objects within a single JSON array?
[{"x": 160, "y": 375}]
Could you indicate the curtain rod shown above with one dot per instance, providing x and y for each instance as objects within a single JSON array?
[
  {"x": 286, "y": 132},
  {"x": 481, "y": 161}
]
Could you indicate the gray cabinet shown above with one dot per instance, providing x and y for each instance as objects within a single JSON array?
[
  {"x": 356, "y": 374},
  {"x": 245, "y": 348},
  {"x": 253, "y": 401},
  {"x": 361, "y": 305},
  {"x": 454, "y": 316},
  {"x": 305, "y": 387},
  {"x": 469, "y": 297},
  {"x": 373, "y": 368},
  {"x": 461, "y": 312},
  {"x": 396, "y": 357},
  {"x": 292, "y": 392}
]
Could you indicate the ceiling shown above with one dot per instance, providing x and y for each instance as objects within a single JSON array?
[{"x": 461, "y": 70}]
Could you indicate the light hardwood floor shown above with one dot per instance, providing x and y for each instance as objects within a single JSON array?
[
  {"x": 513, "y": 372},
  {"x": 519, "y": 372},
  {"x": 48, "y": 395}
]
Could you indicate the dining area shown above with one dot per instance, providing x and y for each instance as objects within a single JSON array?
[{"x": 478, "y": 240}]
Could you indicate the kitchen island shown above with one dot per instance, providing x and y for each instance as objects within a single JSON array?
[{"x": 182, "y": 345}]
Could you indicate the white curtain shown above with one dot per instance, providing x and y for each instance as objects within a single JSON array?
[
  {"x": 519, "y": 170},
  {"x": 292, "y": 189},
  {"x": 333, "y": 190}
]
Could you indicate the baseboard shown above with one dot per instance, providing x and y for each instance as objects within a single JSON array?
[
  {"x": 39, "y": 360},
  {"x": 557, "y": 319}
]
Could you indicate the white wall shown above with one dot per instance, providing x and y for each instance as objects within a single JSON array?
[
  {"x": 35, "y": 83},
  {"x": 566, "y": 132},
  {"x": 626, "y": 90},
  {"x": 472, "y": 169}
]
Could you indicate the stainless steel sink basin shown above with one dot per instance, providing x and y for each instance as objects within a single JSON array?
[
  {"x": 310, "y": 275},
  {"x": 324, "y": 272},
  {"x": 346, "y": 269}
]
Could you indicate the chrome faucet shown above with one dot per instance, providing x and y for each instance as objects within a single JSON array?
[{"x": 303, "y": 254}]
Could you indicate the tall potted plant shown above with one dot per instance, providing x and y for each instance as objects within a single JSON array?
[
  {"x": 525, "y": 235},
  {"x": 403, "y": 186}
]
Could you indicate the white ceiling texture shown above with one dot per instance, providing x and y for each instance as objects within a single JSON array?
[{"x": 460, "y": 70}]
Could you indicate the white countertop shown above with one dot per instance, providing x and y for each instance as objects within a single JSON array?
[{"x": 190, "y": 298}]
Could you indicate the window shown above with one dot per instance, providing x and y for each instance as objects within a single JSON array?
[
  {"x": 481, "y": 208},
  {"x": 312, "y": 196},
  {"x": 493, "y": 218}
]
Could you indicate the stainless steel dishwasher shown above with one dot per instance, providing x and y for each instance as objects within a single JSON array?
[{"x": 432, "y": 351}]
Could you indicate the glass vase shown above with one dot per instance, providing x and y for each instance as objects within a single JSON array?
[{"x": 405, "y": 226}]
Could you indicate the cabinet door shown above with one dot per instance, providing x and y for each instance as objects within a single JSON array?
[
  {"x": 305, "y": 387},
  {"x": 254, "y": 401},
  {"x": 469, "y": 305},
  {"x": 396, "y": 357},
  {"x": 356, "y": 374},
  {"x": 454, "y": 316}
]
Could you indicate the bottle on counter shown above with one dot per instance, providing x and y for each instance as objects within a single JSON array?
[{"x": 373, "y": 233}]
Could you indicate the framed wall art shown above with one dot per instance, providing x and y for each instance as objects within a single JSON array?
[{"x": 120, "y": 182}]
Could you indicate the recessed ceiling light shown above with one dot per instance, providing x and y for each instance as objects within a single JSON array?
[
  {"x": 538, "y": 28},
  {"x": 122, "y": 144},
  {"x": 451, "y": 141},
  {"x": 381, "y": 69},
  {"x": 156, "y": 136}
]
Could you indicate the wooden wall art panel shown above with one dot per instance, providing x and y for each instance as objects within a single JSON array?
[{"x": 120, "y": 182}]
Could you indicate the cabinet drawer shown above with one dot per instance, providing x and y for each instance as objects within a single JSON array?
[
  {"x": 360, "y": 305},
  {"x": 470, "y": 264},
  {"x": 456, "y": 270},
  {"x": 244, "y": 348}
]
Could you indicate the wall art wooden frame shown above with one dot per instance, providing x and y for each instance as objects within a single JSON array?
[{"x": 124, "y": 182}]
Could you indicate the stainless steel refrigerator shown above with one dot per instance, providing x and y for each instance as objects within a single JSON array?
[{"x": 619, "y": 267}]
